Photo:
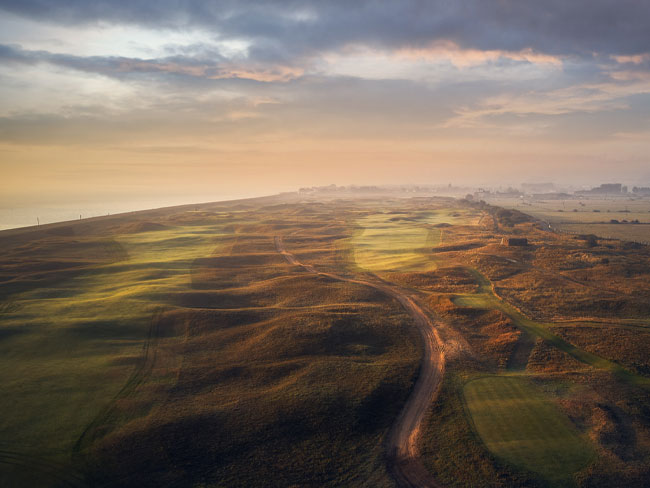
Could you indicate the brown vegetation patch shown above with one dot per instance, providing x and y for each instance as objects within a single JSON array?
[
  {"x": 548, "y": 359},
  {"x": 613, "y": 418},
  {"x": 628, "y": 346},
  {"x": 455, "y": 279},
  {"x": 290, "y": 398},
  {"x": 65, "y": 231},
  {"x": 490, "y": 333}
]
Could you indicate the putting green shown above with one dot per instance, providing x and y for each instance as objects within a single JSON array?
[
  {"x": 402, "y": 241},
  {"x": 518, "y": 424},
  {"x": 393, "y": 246}
]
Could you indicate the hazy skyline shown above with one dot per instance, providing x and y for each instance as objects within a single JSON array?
[{"x": 154, "y": 100}]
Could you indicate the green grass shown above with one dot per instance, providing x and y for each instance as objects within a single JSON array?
[
  {"x": 401, "y": 242},
  {"x": 450, "y": 444},
  {"x": 484, "y": 298},
  {"x": 392, "y": 246},
  {"x": 68, "y": 348},
  {"x": 520, "y": 426},
  {"x": 202, "y": 350}
]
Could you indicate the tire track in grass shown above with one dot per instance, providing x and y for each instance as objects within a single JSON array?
[
  {"x": 60, "y": 474},
  {"x": 65, "y": 475},
  {"x": 141, "y": 372}
]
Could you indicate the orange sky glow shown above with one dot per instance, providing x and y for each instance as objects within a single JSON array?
[{"x": 176, "y": 100}]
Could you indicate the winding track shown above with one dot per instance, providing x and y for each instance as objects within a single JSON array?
[{"x": 402, "y": 451}]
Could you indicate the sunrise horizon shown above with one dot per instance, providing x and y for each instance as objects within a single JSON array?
[
  {"x": 303, "y": 243},
  {"x": 120, "y": 101}
]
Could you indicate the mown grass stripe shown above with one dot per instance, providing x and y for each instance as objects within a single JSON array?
[{"x": 518, "y": 424}]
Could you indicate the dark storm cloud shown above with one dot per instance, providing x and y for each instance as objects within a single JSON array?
[
  {"x": 210, "y": 66},
  {"x": 287, "y": 28}
]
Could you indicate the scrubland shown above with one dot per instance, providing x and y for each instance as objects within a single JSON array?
[{"x": 178, "y": 347}]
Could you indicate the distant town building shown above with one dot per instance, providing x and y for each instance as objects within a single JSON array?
[
  {"x": 608, "y": 188},
  {"x": 482, "y": 194},
  {"x": 551, "y": 196},
  {"x": 538, "y": 187},
  {"x": 605, "y": 189},
  {"x": 509, "y": 193}
]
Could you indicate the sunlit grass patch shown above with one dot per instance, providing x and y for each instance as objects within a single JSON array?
[
  {"x": 402, "y": 241},
  {"x": 392, "y": 247},
  {"x": 518, "y": 424},
  {"x": 72, "y": 344},
  {"x": 393, "y": 243}
]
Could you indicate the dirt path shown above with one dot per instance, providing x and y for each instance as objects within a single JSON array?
[{"x": 402, "y": 442}]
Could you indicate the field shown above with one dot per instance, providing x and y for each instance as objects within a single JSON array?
[
  {"x": 627, "y": 232},
  {"x": 184, "y": 347},
  {"x": 591, "y": 215}
]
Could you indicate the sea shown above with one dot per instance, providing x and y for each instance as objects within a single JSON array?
[{"x": 12, "y": 217}]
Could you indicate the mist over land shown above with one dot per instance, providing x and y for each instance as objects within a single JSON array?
[
  {"x": 300, "y": 243},
  {"x": 110, "y": 100}
]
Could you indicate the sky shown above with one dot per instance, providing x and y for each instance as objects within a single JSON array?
[{"x": 172, "y": 100}]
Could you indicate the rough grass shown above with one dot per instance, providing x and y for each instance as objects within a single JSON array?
[
  {"x": 525, "y": 429},
  {"x": 623, "y": 231},
  {"x": 187, "y": 352},
  {"x": 486, "y": 299},
  {"x": 196, "y": 355},
  {"x": 627, "y": 345},
  {"x": 291, "y": 380}
]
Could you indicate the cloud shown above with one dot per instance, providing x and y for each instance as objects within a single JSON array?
[
  {"x": 297, "y": 28},
  {"x": 120, "y": 67},
  {"x": 471, "y": 57},
  {"x": 393, "y": 75},
  {"x": 634, "y": 59}
]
